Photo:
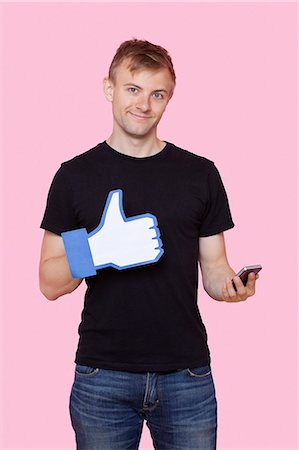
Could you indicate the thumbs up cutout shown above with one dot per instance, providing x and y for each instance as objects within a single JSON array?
[{"x": 118, "y": 241}]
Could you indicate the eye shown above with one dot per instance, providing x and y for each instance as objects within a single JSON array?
[
  {"x": 133, "y": 90},
  {"x": 158, "y": 95}
]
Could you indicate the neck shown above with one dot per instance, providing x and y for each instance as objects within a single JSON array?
[{"x": 135, "y": 146}]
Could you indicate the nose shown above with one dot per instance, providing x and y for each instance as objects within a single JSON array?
[{"x": 143, "y": 103}]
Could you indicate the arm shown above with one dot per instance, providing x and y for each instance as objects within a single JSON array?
[
  {"x": 217, "y": 273},
  {"x": 55, "y": 278}
]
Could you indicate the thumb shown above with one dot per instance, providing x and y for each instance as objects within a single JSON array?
[{"x": 113, "y": 211}]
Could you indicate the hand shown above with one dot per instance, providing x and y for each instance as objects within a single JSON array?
[
  {"x": 117, "y": 241},
  {"x": 124, "y": 242},
  {"x": 229, "y": 294}
]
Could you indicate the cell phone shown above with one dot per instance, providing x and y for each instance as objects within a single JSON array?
[{"x": 245, "y": 271}]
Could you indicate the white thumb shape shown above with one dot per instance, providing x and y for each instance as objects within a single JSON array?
[{"x": 113, "y": 211}]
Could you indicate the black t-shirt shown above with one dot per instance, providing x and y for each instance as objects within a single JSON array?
[{"x": 143, "y": 318}]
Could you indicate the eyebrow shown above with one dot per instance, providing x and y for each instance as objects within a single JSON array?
[{"x": 139, "y": 87}]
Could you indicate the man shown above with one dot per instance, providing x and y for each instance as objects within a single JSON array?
[{"x": 133, "y": 216}]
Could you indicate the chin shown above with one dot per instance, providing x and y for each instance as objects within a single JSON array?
[{"x": 138, "y": 133}]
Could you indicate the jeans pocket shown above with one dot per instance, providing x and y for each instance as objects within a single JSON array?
[
  {"x": 86, "y": 371},
  {"x": 200, "y": 372}
]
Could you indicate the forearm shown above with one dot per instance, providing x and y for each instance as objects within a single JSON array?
[
  {"x": 214, "y": 278},
  {"x": 55, "y": 278}
]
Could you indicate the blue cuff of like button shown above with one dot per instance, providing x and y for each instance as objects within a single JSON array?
[{"x": 78, "y": 253}]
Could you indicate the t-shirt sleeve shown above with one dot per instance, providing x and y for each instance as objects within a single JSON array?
[
  {"x": 59, "y": 214},
  {"x": 217, "y": 217}
]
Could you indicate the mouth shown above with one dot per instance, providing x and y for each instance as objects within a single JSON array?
[{"x": 139, "y": 117}]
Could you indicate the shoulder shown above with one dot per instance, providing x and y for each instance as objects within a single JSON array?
[
  {"x": 82, "y": 161},
  {"x": 190, "y": 158}
]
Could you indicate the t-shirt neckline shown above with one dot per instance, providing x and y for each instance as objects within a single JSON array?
[{"x": 161, "y": 154}]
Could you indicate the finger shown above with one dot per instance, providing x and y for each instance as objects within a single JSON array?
[
  {"x": 230, "y": 288},
  {"x": 241, "y": 290},
  {"x": 251, "y": 282},
  {"x": 225, "y": 294},
  {"x": 228, "y": 295}
]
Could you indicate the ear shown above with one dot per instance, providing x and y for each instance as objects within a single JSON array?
[{"x": 108, "y": 89}]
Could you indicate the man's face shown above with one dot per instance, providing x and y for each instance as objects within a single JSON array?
[{"x": 138, "y": 99}]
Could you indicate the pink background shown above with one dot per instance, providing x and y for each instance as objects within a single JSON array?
[{"x": 235, "y": 103}]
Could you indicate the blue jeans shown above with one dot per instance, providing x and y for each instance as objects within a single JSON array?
[{"x": 108, "y": 408}]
